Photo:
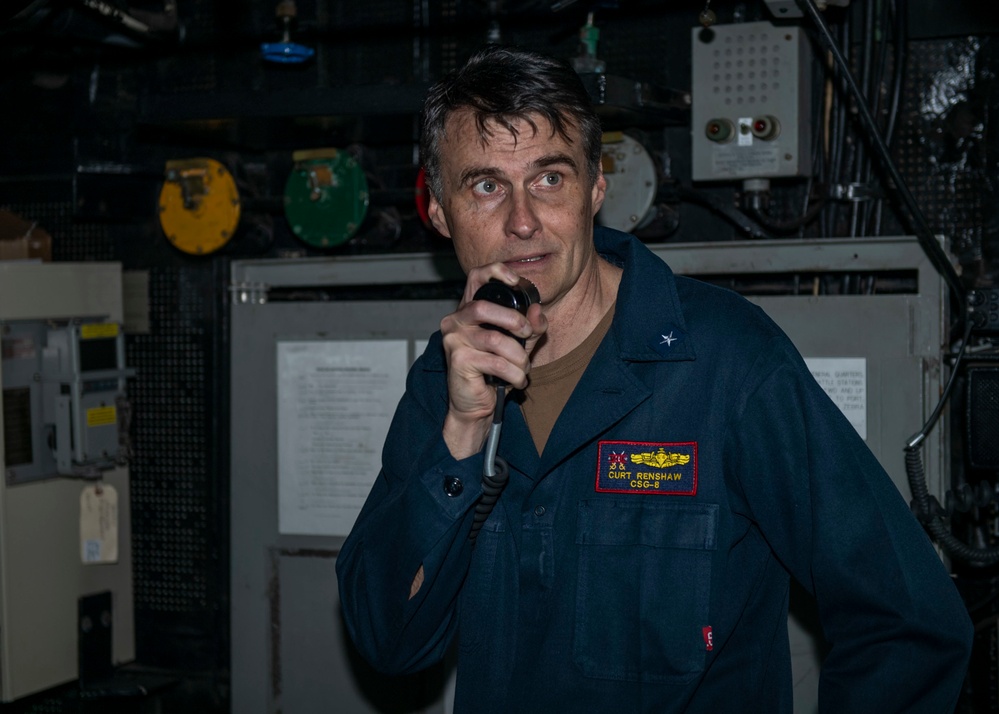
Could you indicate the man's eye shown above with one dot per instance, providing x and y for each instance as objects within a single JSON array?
[
  {"x": 552, "y": 179},
  {"x": 485, "y": 186}
]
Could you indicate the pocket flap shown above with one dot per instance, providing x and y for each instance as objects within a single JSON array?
[{"x": 655, "y": 524}]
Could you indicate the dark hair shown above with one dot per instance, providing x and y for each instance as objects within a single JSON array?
[{"x": 504, "y": 84}]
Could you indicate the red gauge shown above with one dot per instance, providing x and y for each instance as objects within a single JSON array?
[{"x": 423, "y": 198}]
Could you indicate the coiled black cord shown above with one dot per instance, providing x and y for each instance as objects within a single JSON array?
[
  {"x": 927, "y": 508},
  {"x": 495, "y": 472}
]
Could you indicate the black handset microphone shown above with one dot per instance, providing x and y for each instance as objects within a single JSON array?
[
  {"x": 495, "y": 472},
  {"x": 518, "y": 297}
]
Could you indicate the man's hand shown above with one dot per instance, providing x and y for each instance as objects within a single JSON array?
[{"x": 473, "y": 352}]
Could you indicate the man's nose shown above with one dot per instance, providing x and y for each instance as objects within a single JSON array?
[{"x": 522, "y": 219}]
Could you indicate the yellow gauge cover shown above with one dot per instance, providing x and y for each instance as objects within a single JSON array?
[{"x": 199, "y": 205}]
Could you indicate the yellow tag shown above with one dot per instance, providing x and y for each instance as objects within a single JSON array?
[
  {"x": 98, "y": 524},
  {"x": 98, "y": 330},
  {"x": 102, "y": 416}
]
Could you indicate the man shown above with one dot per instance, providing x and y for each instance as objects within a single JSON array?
[{"x": 672, "y": 463}]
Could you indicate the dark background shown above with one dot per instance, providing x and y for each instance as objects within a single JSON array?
[{"x": 90, "y": 112}]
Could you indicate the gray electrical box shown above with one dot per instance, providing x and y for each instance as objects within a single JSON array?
[
  {"x": 66, "y": 411},
  {"x": 750, "y": 102},
  {"x": 65, "y": 543}
]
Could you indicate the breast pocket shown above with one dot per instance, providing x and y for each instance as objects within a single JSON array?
[{"x": 644, "y": 588}]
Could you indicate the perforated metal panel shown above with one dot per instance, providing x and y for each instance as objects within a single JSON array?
[
  {"x": 942, "y": 151},
  {"x": 983, "y": 417},
  {"x": 71, "y": 240},
  {"x": 178, "y": 517},
  {"x": 170, "y": 440},
  {"x": 196, "y": 71}
]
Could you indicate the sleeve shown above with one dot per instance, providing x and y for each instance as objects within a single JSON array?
[
  {"x": 898, "y": 632},
  {"x": 409, "y": 520}
]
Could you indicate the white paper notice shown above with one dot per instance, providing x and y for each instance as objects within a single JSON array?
[
  {"x": 335, "y": 403},
  {"x": 845, "y": 381}
]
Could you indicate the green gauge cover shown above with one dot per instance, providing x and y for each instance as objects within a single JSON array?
[{"x": 325, "y": 197}]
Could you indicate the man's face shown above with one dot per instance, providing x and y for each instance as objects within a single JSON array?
[{"x": 526, "y": 201}]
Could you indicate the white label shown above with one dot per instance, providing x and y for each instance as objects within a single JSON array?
[
  {"x": 845, "y": 381},
  {"x": 746, "y": 161},
  {"x": 98, "y": 524}
]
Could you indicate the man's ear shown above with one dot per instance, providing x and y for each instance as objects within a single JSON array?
[
  {"x": 437, "y": 218},
  {"x": 599, "y": 192}
]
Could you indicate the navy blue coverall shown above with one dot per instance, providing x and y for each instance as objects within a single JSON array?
[{"x": 642, "y": 562}]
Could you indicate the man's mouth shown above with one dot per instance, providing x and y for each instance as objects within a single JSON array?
[{"x": 532, "y": 259}]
